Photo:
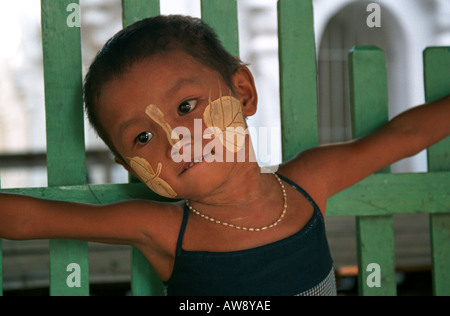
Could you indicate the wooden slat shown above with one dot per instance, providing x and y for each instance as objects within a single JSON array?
[
  {"x": 369, "y": 98},
  {"x": 222, "y": 16},
  {"x": 379, "y": 194},
  {"x": 298, "y": 83},
  {"x": 437, "y": 85},
  {"x": 63, "y": 96},
  {"x": 65, "y": 131},
  {"x": 136, "y": 10},
  {"x": 388, "y": 194},
  {"x": 144, "y": 281}
]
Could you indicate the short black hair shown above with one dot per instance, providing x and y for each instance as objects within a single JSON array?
[{"x": 145, "y": 39}]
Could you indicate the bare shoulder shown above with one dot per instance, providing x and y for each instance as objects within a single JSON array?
[
  {"x": 306, "y": 171},
  {"x": 326, "y": 170}
]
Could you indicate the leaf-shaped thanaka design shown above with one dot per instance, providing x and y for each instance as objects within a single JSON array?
[
  {"x": 156, "y": 115},
  {"x": 224, "y": 117},
  {"x": 146, "y": 173}
]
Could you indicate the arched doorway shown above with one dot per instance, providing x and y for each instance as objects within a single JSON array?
[{"x": 344, "y": 30}]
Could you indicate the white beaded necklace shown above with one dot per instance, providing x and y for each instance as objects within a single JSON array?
[{"x": 211, "y": 219}]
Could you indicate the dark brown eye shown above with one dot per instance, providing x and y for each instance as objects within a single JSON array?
[
  {"x": 144, "y": 138},
  {"x": 187, "y": 107}
]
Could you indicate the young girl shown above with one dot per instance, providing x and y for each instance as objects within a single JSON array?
[{"x": 162, "y": 94}]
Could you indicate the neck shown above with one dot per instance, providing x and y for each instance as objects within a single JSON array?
[
  {"x": 247, "y": 215},
  {"x": 245, "y": 189}
]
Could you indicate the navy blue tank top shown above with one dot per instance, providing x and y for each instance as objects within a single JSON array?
[{"x": 298, "y": 265}]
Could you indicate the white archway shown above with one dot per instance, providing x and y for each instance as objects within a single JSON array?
[{"x": 345, "y": 29}]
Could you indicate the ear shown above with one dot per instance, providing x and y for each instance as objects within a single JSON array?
[{"x": 245, "y": 89}]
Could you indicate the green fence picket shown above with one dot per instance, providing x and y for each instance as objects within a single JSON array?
[
  {"x": 222, "y": 16},
  {"x": 144, "y": 281},
  {"x": 437, "y": 85},
  {"x": 136, "y": 10},
  {"x": 65, "y": 130},
  {"x": 298, "y": 76},
  {"x": 375, "y": 234}
]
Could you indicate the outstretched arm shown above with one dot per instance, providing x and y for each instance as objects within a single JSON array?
[
  {"x": 338, "y": 166},
  {"x": 23, "y": 218}
]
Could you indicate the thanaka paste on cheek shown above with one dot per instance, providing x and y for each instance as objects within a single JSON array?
[
  {"x": 147, "y": 175},
  {"x": 143, "y": 168},
  {"x": 225, "y": 120},
  {"x": 156, "y": 115}
]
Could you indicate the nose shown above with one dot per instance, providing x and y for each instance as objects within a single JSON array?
[{"x": 181, "y": 150}]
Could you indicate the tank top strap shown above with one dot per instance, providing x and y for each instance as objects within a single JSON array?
[
  {"x": 183, "y": 227},
  {"x": 301, "y": 190},
  {"x": 290, "y": 182}
]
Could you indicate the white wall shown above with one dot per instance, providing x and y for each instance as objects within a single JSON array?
[{"x": 416, "y": 24}]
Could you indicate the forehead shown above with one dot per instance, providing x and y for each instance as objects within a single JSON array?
[
  {"x": 153, "y": 77},
  {"x": 157, "y": 80}
]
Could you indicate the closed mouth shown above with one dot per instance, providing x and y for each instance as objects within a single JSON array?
[{"x": 196, "y": 161}]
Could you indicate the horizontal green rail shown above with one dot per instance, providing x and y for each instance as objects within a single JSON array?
[{"x": 379, "y": 194}]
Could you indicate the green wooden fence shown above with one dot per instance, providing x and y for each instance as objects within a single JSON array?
[{"x": 372, "y": 201}]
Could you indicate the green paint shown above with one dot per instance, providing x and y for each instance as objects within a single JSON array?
[
  {"x": 369, "y": 101},
  {"x": 437, "y": 85},
  {"x": 389, "y": 194},
  {"x": 65, "y": 131},
  {"x": 136, "y": 10},
  {"x": 298, "y": 76},
  {"x": 375, "y": 244},
  {"x": 222, "y": 16},
  {"x": 62, "y": 254},
  {"x": 144, "y": 280},
  {"x": 379, "y": 194}
]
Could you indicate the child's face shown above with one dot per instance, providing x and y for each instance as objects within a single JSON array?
[{"x": 141, "y": 110}]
